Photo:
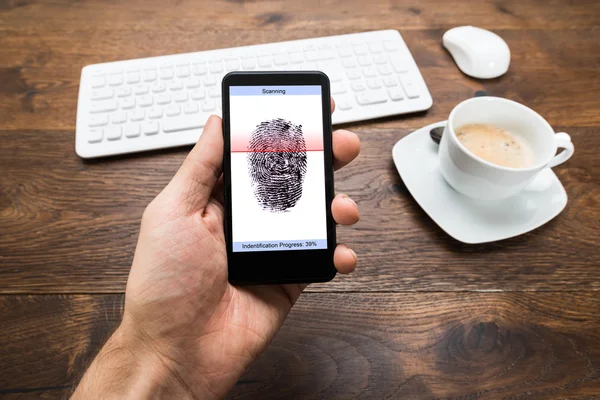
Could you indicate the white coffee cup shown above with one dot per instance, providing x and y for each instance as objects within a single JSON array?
[{"x": 480, "y": 179}]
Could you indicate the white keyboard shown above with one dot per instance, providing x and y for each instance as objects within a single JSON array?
[{"x": 158, "y": 102}]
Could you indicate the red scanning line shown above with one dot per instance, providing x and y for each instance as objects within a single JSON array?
[{"x": 273, "y": 151}]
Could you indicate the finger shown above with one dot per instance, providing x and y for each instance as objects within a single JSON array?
[
  {"x": 332, "y": 105},
  {"x": 201, "y": 169},
  {"x": 344, "y": 210},
  {"x": 344, "y": 259},
  {"x": 346, "y": 147}
]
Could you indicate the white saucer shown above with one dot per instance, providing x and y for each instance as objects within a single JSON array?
[{"x": 466, "y": 219}]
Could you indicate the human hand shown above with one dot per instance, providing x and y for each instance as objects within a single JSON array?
[{"x": 187, "y": 330}]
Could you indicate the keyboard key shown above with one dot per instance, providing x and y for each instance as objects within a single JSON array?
[
  {"x": 175, "y": 85},
  {"x": 98, "y": 82},
  {"x": 385, "y": 70},
  {"x": 180, "y": 97},
  {"x": 215, "y": 66},
  {"x": 94, "y": 135},
  {"x": 145, "y": 100},
  {"x": 264, "y": 61},
  {"x": 163, "y": 98},
  {"x": 115, "y": 79},
  {"x": 140, "y": 89},
  {"x": 334, "y": 76},
  {"x": 132, "y": 78},
  {"x": 182, "y": 124},
  {"x": 399, "y": 65},
  {"x": 338, "y": 88},
  {"x": 158, "y": 87},
  {"x": 119, "y": 118},
  {"x": 390, "y": 81},
  {"x": 359, "y": 86},
  {"x": 249, "y": 63},
  {"x": 373, "y": 83},
  {"x": 326, "y": 55},
  {"x": 379, "y": 59},
  {"x": 210, "y": 81},
  {"x": 104, "y": 106},
  {"x": 371, "y": 97},
  {"x": 98, "y": 120},
  {"x": 232, "y": 65},
  {"x": 149, "y": 75},
  {"x": 191, "y": 108},
  {"x": 113, "y": 132},
  {"x": 132, "y": 130},
  {"x": 345, "y": 51},
  {"x": 173, "y": 110},
  {"x": 192, "y": 83},
  {"x": 280, "y": 60},
  {"x": 208, "y": 105},
  {"x": 150, "y": 128},
  {"x": 364, "y": 61},
  {"x": 353, "y": 73},
  {"x": 396, "y": 93},
  {"x": 136, "y": 115},
  {"x": 296, "y": 58},
  {"x": 360, "y": 49},
  {"x": 390, "y": 45},
  {"x": 214, "y": 92},
  {"x": 123, "y": 91},
  {"x": 343, "y": 104},
  {"x": 166, "y": 73},
  {"x": 349, "y": 62},
  {"x": 155, "y": 112},
  {"x": 200, "y": 69},
  {"x": 198, "y": 94},
  {"x": 101, "y": 94},
  {"x": 369, "y": 72},
  {"x": 312, "y": 55},
  {"x": 183, "y": 72},
  {"x": 410, "y": 88},
  {"x": 375, "y": 47}
]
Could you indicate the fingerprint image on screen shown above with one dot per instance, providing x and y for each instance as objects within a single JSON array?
[{"x": 277, "y": 164}]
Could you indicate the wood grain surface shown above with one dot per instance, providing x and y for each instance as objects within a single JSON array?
[
  {"x": 347, "y": 345},
  {"x": 424, "y": 316}
]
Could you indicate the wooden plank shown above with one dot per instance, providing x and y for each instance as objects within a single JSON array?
[
  {"x": 310, "y": 14},
  {"x": 72, "y": 226},
  {"x": 347, "y": 345},
  {"x": 42, "y": 77}
]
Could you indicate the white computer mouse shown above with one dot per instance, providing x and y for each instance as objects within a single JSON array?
[{"x": 477, "y": 52}]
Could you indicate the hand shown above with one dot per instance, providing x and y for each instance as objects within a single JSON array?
[{"x": 183, "y": 322}]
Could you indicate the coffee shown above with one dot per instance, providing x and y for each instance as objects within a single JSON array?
[{"x": 496, "y": 145}]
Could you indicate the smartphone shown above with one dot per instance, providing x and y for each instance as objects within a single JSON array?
[{"x": 278, "y": 177}]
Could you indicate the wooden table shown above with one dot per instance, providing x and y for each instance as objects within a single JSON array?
[{"x": 424, "y": 316}]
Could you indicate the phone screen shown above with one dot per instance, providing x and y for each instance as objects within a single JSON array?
[{"x": 278, "y": 197}]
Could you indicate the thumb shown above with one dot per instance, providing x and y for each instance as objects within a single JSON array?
[{"x": 201, "y": 169}]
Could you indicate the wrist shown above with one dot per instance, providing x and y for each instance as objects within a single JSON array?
[{"x": 132, "y": 366}]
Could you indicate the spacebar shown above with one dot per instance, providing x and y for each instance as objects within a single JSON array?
[{"x": 182, "y": 123}]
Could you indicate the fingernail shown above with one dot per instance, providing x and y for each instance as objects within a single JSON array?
[
  {"x": 353, "y": 254},
  {"x": 351, "y": 201}
]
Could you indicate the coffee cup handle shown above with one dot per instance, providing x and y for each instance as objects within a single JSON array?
[{"x": 563, "y": 141}]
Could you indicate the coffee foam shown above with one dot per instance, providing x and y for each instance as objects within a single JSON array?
[{"x": 496, "y": 145}]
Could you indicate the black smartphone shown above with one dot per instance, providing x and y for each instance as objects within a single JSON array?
[{"x": 278, "y": 177}]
